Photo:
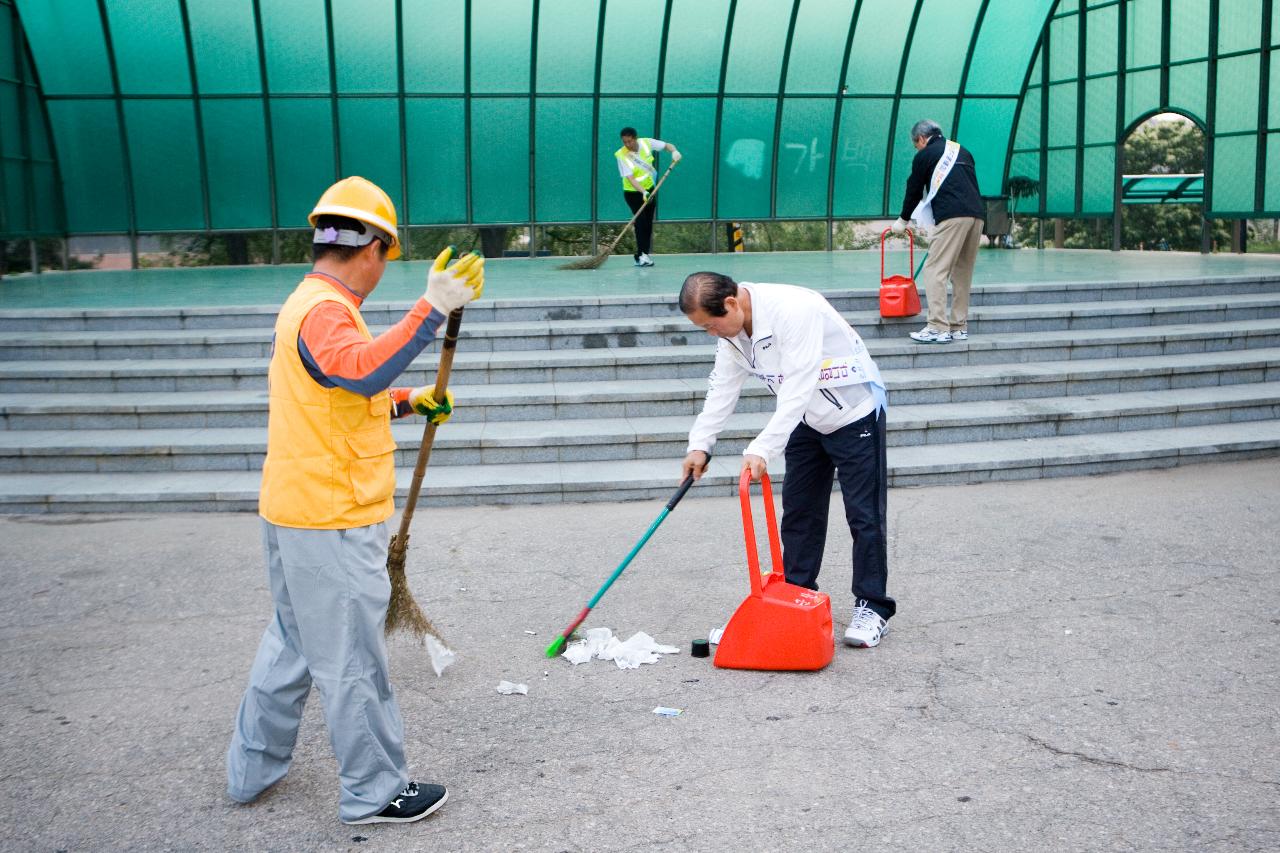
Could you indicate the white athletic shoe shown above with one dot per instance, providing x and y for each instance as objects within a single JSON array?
[
  {"x": 865, "y": 628},
  {"x": 645, "y": 260},
  {"x": 930, "y": 335},
  {"x": 960, "y": 335}
]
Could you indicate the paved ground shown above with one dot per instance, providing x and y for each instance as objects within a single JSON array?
[{"x": 1079, "y": 664}]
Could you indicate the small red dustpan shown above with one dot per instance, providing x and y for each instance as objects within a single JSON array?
[
  {"x": 898, "y": 294},
  {"x": 779, "y": 625}
]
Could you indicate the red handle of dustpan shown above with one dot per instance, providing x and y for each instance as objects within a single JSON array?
[
  {"x": 749, "y": 530},
  {"x": 911, "y": 241}
]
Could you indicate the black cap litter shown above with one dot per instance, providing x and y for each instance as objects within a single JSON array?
[{"x": 701, "y": 649}]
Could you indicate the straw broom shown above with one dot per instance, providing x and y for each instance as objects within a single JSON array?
[
  {"x": 403, "y": 612},
  {"x": 603, "y": 255}
]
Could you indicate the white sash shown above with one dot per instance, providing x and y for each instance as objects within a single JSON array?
[{"x": 923, "y": 214}]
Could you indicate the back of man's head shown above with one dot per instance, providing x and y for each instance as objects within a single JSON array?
[
  {"x": 708, "y": 291},
  {"x": 925, "y": 129},
  {"x": 334, "y": 225}
]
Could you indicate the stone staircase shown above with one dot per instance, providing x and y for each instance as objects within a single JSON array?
[{"x": 147, "y": 409}]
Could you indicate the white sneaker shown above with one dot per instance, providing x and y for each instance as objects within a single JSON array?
[
  {"x": 930, "y": 335},
  {"x": 865, "y": 628},
  {"x": 960, "y": 335},
  {"x": 645, "y": 260}
]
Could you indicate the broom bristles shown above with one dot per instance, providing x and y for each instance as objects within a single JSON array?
[
  {"x": 588, "y": 263},
  {"x": 403, "y": 612}
]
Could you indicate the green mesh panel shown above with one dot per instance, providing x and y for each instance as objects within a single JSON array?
[
  {"x": 1100, "y": 110},
  {"x": 1236, "y": 108},
  {"x": 939, "y": 45},
  {"x": 1026, "y": 165},
  {"x": 1271, "y": 191},
  {"x": 1233, "y": 173},
  {"x": 1273, "y": 99},
  {"x": 1142, "y": 41},
  {"x": 364, "y": 45},
  {"x": 817, "y": 47},
  {"x": 1028, "y": 135},
  {"x": 693, "y": 62},
  {"x": 877, "y": 45},
  {"x": 500, "y": 46},
  {"x": 235, "y": 146},
  {"x": 860, "y": 163},
  {"x": 746, "y": 152},
  {"x": 1098, "y": 180},
  {"x": 689, "y": 124},
  {"x": 629, "y": 54},
  {"x": 14, "y": 198},
  {"x": 164, "y": 132},
  {"x": 1188, "y": 30},
  {"x": 615, "y": 114},
  {"x": 1239, "y": 25},
  {"x": 369, "y": 140},
  {"x": 434, "y": 47},
  {"x": 45, "y": 184},
  {"x": 1187, "y": 84},
  {"x": 296, "y": 46},
  {"x": 1060, "y": 182},
  {"x": 985, "y": 125},
  {"x": 500, "y": 159},
  {"x": 1102, "y": 40},
  {"x": 566, "y": 60},
  {"x": 1062, "y": 114},
  {"x": 1141, "y": 94},
  {"x": 755, "y": 48},
  {"x": 1063, "y": 38},
  {"x": 225, "y": 44},
  {"x": 91, "y": 163},
  {"x": 804, "y": 155},
  {"x": 151, "y": 55},
  {"x": 302, "y": 131},
  {"x": 563, "y": 187},
  {"x": 996, "y": 68},
  {"x": 8, "y": 62},
  {"x": 10, "y": 130},
  {"x": 435, "y": 130},
  {"x": 66, "y": 39}
]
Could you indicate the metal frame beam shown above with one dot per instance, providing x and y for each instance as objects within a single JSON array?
[
  {"x": 897, "y": 105},
  {"x": 1264, "y": 99},
  {"x": 125, "y": 156},
  {"x": 835, "y": 125},
  {"x": 777, "y": 114},
  {"x": 268, "y": 134},
  {"x": 333, "y": 89},
  {"x": 201, "y": 158},
  {"x": 1117, "y": 194},
  {"x": 405, "y": 243},
  {"x": 533, "y": 125},
  {"x": 1210, "y": 115},
  {"x": 595, "y": 131},
  {"x": 715, "y": 145},
  {"x": 964, "y": 73}
]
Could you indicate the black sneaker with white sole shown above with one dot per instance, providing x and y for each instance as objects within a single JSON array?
[{"x": 413, "y": 803}]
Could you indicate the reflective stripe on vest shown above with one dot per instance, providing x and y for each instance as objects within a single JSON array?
[
  {"x": 330, "y": 456},
  {"x": 641, "y": 163}
]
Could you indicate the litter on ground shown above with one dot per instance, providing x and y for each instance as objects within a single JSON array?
[
  {"x": 600, "y": 643},
  {"x": 507, "y": 688}
]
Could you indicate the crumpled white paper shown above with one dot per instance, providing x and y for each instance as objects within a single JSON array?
[
  {"x": 440, "y": 654},
  {"x": 506, "y": 688},
  {"x": 600, "y": 643}
]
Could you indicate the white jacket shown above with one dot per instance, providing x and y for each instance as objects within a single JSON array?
[{"x": 807, "y": 355}]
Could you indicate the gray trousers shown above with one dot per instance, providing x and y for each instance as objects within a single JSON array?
[
  {"x": 953, "y": 251},
  {"x": 330, "y": 590}
]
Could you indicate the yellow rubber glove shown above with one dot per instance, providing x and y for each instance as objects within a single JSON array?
[
  {"x": 451, "y": 287},
  {"x": 423, "y": 401}
]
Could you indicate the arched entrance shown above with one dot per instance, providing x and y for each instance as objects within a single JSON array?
[{"x": 1160, "y": 164}]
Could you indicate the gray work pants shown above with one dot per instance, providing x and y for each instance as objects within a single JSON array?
[
  {"x": 330, "y": 590},
  {"x": 953, "y": 251}
]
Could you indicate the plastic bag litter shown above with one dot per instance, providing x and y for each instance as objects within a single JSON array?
[
  {"x": 600, "y": 643},
  {"x": 507, "y": 688},
  {"x": 441, "y": 655}
]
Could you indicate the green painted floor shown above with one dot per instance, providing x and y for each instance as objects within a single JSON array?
[{"x": 522, "y": 278}]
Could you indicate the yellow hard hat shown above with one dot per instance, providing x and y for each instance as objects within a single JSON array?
[{"x": 362, "y": 200}]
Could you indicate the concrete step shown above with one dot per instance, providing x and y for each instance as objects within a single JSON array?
[
  {"x": 201, "y": 491},
  {"x": 617, "y": 307},
  {"x": 1000, "y": 359},
  {"x": 643, "y": 332},
  {"x": 653, "y": 437}
]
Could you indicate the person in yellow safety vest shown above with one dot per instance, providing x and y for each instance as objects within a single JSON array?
[
  {"x": 328, "y": 484},
  {"x": 637, "y": 167}
]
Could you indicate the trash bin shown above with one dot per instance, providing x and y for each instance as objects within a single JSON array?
[{"x": 996, "y": 221}]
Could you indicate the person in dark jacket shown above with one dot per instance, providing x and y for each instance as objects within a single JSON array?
[{"x": 943, "y": 191}]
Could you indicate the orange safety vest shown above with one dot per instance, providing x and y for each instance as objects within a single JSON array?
[{"x": 330, "y": 456}]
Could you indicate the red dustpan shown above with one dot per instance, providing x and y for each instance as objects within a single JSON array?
[
  {"x": 898, "y": 294},
  {"x": 779, "y": 625}
]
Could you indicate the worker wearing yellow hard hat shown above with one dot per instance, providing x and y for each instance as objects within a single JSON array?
[{"x": 327, "y": 491}]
